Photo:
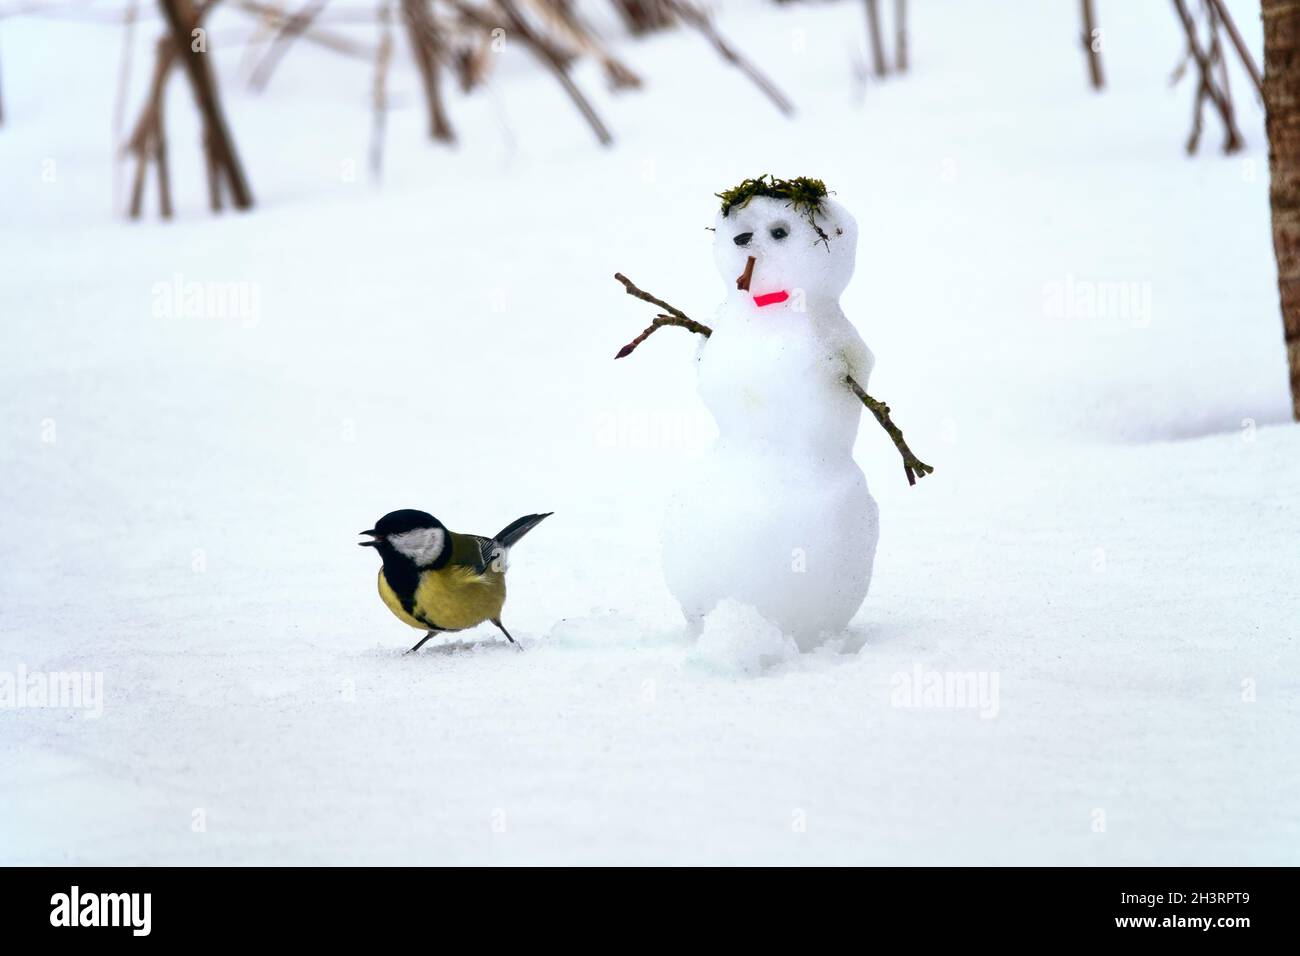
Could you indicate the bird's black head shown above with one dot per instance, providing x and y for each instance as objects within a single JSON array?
[
  {"x": 415, "y": 535},
  {"x": 399, "y": 522}
]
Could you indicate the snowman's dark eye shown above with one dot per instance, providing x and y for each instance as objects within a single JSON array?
[
  {"x": 779, "y": 232},
  {"x": 743, "y": 238}
]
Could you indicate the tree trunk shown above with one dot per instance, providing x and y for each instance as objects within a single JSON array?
[{"x": 1282, "y": 107}]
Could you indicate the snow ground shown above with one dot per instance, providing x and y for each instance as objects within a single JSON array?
[{"x": 1111, "y": 531}]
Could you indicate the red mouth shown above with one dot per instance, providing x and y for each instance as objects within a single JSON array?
[{"x": 771, "y": 298}]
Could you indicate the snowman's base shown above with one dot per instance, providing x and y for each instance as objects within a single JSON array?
[
  {"x": 735, "y": 638},
  {"x": 804, "y": 640},
  {"x": 796, "y": 547}
]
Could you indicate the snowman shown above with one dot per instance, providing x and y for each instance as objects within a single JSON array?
[{"x": 778, "y": 516}]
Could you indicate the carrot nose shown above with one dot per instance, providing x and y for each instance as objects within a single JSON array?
[{"x": 742, "y": 283}]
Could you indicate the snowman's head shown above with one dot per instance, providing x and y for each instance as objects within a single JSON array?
[{"x": 803, "y": 249}]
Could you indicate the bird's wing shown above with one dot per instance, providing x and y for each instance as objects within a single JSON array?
[{"x": 473, "y": 553}]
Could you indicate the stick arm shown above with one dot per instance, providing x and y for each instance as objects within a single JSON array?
[{"x": 913, "y": 467}]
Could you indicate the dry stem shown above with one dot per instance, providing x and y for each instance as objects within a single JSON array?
[
  {"x": 697, "y": 18},
  {"x": 1242, "y": 51},
  {"x": 1207, "y": 89}
]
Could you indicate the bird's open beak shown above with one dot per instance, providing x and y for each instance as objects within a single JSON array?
[{"x": 369, "y": 544}]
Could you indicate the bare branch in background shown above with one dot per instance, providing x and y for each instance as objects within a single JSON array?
[
  {"x": 1207, "y": 88},
  {"x": 644, "y": 16},
  {"x": 429, "y": 48},
  {"x": 146, "y": 139},
  {"x": 119, "y": 101},
  {"x": 900, "y": 35},
  {"x": 274, "y": 17},
  {"x": 266, "y": 23},
  {"x": 1240, "y": 45},
  {"x": 472, "y": 61},
  {"x": 164, "y": 166},
  {"x": 560, "y": 14},
  {"x": 183, "y": 18},
  {"x": 698, "y": 19},
  {"x": 1216, "y": 51},
  {"x": 546, "y": 53},
  {"x": 379, "y": 96},
  {"x": 1092, "y": 46},
  {"x": 874, "y": 40},
  {"x": 291, "y": 29}
]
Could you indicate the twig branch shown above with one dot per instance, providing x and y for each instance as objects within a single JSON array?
[
  {"x": 429, "y": 48},
  {"x": 1242, "y": 51},
  {"x": 558, "y": 65},
  {"x": 900, "y": 35},
  {"x": 700, "y": 20},
  {"x": 379, "y": 93},
  {"x": 659, "y": 322},
  {"x": 1207, "y": 87},
  {"x": 147, "y": 134},
  {"x": 182, "y": 17},
  {"x": 119, "y": 103},
  {"x": 644, "y": 16},
  {"x": 546, "y": 52},
  {"x": 290, "y": 30},
  {"x": 1094, "y": 55},
  {"x": 276, "y": 18},
  {"x": 913, "y": 467},
  {"x": 560, "y": 14},
  {"x": 644, "y": 296},
  {"x": 874, "y": 41}
]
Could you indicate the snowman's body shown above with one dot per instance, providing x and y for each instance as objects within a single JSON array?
[{"x": 778, "y": 515}]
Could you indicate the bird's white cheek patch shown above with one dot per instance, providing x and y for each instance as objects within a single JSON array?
[{"x": 422, "y": 545}]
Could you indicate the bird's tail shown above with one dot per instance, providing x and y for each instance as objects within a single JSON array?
[{"x": 516, "y": 529}]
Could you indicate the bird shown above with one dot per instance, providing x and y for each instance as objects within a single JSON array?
[{"x": 438, "y": 580}]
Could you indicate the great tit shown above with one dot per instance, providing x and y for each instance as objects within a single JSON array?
[{"x": 437, "y": 580}]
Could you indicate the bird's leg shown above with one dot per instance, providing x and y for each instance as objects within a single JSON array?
[
  {"x": 422, "y": 640},
  {"x": 498, "y": 623}
]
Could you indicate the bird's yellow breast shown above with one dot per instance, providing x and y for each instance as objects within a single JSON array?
[{"x": 451, "y": 598}]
